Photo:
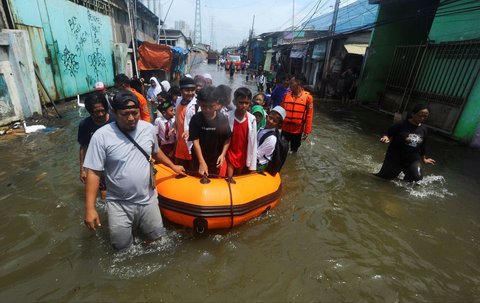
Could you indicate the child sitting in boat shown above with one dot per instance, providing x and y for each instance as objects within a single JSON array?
[
  {"x": 243, "y": 146},
  {"x": 165, "y": 128},
  {"x": 209, "y": 133},
  {"x": 267, "y": 140}
]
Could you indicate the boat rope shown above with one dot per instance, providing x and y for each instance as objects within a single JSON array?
[{"x": 231, "y": 201}]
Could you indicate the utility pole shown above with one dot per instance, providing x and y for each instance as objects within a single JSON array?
[
  {"x": 197, "y": 30},
  {"x": 251, "y": 31},
  {"x": 132, "y": 17},
  {"x": 328, "y": 50},
  {"x": 293, "y": 21}
]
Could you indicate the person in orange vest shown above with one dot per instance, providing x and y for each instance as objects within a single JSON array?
[
  {"x": 298, "y": 105},
  {"x": 122, "y": 82}
]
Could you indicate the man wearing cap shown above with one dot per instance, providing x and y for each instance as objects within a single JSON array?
[
  {"x": 122, "y": 82},
  {"x": 131, "y": 200},
  {"x": 182, "y": 149}
]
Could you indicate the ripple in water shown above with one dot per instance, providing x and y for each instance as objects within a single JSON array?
[{"x": 430, "y": 186}]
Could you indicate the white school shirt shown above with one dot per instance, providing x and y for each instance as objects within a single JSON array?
[{"x": 160, "y": 127}]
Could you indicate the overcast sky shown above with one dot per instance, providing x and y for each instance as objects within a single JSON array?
[{"x": 232, "y": 20}]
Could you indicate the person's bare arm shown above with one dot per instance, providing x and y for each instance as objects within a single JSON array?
[
  {"x": 83, "y": 172},
  {"x": 160, "y": 157},
  {"x": 92, "y": 220},
  {"x": 202, "y": 165}
]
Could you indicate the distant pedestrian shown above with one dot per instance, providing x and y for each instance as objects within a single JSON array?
[{"x": 260, "y": 81}]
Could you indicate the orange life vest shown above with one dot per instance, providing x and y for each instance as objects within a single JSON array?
[{"x": 299, "y": 111}]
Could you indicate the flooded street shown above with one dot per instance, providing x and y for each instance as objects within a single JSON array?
[{"x": 338, "y": 234}]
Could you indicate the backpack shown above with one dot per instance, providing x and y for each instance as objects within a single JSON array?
[{"x": 279, "y": 155}]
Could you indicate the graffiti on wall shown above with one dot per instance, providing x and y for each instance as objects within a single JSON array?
[{"x": 83, "y": 49}]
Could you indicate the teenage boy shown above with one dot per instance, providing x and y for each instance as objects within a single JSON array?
[
  {"x": 267, "y": 147},
  {"x": 209, "y": 133},
  {"x": 243, "y": 146},
  {"x": 182, "y": 152}
]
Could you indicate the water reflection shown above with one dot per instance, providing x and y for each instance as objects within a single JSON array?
[{"x": 338, "y": 234}]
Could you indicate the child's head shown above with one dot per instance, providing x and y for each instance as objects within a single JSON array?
[
  {"x": 166, "y": 108},
  {"x": 174, "y": 92},
  {"x": 259, "y": 99},
  {"x": 259, "y": 113},
  {"x": 275, "y": 117},
  {"x": 162, "y": 97},
  {"x": 241, "y": 99},
  {"x": 187, "y": 88},
  {"x": 223, "y": 94},
  {"x": 207, "y": 101}
]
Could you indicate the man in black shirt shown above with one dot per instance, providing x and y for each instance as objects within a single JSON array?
[{"x": 97, "y": 106}]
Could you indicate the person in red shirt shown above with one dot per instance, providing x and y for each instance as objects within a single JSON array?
[
  {"x": 242, "y": 152},
  {"x": 123, "y": 82},
  {"x": 298, "y": 105}
]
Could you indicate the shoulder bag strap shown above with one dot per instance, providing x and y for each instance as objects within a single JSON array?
[{"x": 135, "y": 143}]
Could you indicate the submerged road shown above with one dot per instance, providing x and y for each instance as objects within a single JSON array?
[{"x": 339, "y": 234}]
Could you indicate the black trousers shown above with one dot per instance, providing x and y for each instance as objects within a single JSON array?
[
  {"x": 294, "y": 140},
  {"x": 412, "y": 170}
]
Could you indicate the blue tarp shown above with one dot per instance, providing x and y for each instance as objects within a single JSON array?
[
  {"x": 179, "y": 50},
  {"x": 350, "y": 17}
]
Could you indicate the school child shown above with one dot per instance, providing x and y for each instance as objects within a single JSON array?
[
  {"x": 209, "y": 133},
  {"x": 260, "y": 116},
  {"x": 164, "y": 125},
  {"x": 223, "y": 94},
  {"x": 182, "y": 152},
  {"x": 267, "y": 139},
  {"x": 260, "y": 81},
  {"x": 243, "y": 146}
]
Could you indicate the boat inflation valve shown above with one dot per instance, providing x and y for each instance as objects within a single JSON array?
[{"x": 200, "y": 225}]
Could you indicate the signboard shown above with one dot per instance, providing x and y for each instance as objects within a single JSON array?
[
  {"x": 299, "y": 51},
  {"x": 319, "y": 50}
]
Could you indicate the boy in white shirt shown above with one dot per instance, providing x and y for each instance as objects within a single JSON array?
[{"x": 165, "y": 129}]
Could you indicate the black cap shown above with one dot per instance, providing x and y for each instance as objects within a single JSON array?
[
  {"x": 187, "y": 82},
  {"x": 121, "y": 79},
  {"x": 121, "y": 99}
]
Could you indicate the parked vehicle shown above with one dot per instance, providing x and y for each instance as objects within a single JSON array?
[{"x": 235, "y": 59}]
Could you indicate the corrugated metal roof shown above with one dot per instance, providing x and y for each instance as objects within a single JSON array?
[{"x": 350, "y": 17}]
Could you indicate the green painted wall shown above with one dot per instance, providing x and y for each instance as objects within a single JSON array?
[
  {"x": 456, "y": 22},
  {"x": 383, "y": 42}
]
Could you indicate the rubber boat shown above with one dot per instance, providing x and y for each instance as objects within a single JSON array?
[{"x": 214, "y": 203}]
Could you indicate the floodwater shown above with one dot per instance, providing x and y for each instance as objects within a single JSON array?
[{"x": 338, "y": 234}]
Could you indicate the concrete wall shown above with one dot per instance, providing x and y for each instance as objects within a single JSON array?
[
  {"x": 384, "y": 40},
  {"x": 18, "y": 88}
]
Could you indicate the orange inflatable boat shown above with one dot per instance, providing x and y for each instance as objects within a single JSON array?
[{"x": 215, "y": 203}]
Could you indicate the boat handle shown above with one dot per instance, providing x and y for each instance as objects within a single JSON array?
[{"x": 204, "y": 179}]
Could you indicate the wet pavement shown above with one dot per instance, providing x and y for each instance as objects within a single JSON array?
[{"x": 338, "y": 234}]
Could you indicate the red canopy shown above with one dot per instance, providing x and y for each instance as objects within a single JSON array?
[{"x": 152, "y": 56}]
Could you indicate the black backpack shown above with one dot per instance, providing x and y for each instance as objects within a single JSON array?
[{"x": 279, "y": 154}]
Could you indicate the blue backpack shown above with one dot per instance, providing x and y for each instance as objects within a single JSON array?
[{"x": 279, "y": 154}]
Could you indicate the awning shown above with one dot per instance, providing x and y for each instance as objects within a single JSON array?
[
  {"x": 358, "y": 49},
  {"x": 152, "y": 56}
]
